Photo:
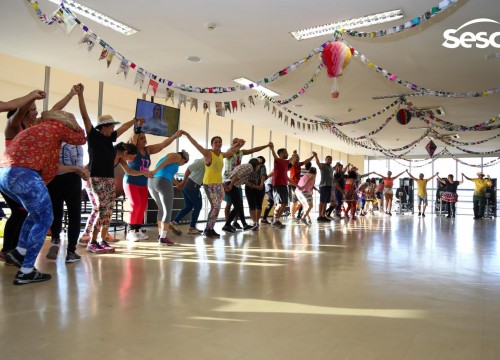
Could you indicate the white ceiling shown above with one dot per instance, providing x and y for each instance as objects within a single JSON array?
[{"x": 252, "y": 39}]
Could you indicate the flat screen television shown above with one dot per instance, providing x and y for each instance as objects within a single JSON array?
[{"x": 161, "y": 120}]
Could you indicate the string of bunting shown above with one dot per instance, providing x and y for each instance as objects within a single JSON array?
[
  {"x": 464, "y": 143},
  {"x": 91, "y": 38},
  {"x": 413, "y": 23},
  {"x": 301, "y": 91},
  {"x": 446, "y": 152},
  {"x": 414, "y": 87},
  {"x": 445, "y": 125}
]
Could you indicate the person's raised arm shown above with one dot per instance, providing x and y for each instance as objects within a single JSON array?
[
  {"x": 83, "y": 109},
  {"x": 308, "y": 160},
  {"x": 382, "y": 176},
  {"x": 414, "y": 178},
  {"x": 465, "y": 176},
  {"x": 129, "y": 124},
  {"x": 66, "y": 99},
  {"x": 14, "y": 122},
  {"x": 234, "y": 149},
  {"x": 255, "y": 149},
  {"x": 275, "y": 156},
  {"x": 22, "y": 101},
  {"x": 320, "y": 165},
  {"x": 201, "y": 149},
  {"x": 432, "y": 177},
  {"x": 441, "y": 180},
  {"x": 398, "y": 175},
  {"x": 156, "y": 148}
]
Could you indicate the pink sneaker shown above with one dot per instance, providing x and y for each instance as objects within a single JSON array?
[
  {"x": 165, "y": 241},
  {"x": 95, "y": 248},
  {"x": 107, "y": 248}
]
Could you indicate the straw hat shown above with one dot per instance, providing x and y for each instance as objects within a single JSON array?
[
  {"x": 59, "y": 115},
  {"x": 106, "y": 120}
]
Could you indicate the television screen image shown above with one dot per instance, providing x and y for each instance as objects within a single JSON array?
[{"x": 161, "y": 120}]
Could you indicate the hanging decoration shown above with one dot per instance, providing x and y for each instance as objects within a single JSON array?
[
  {"x": 445, "y": 125},
  {"x": 413, "y": 23},
  {"x": 335, "y": 57},
  {"x": 403, "y": 116},
  {"x": 218, "y": 89},
  {"x": 431, "y": 148}
]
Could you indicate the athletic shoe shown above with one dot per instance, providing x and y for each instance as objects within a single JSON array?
[
  {"x": 277, "y": 224},
  {"x": 304, "y": 221},
  {"x": 166, "y": 242},
  {"x": 294, "y": 220},
  {"x": 72, "y": 257},
  {"x": 133, "y": 235},
  {"x": 143, "y": 234},
  {"x": 423, "y": 214},
  {"x": 247, "y": 227},
  {"x": 14, "y": 257},
  {"x": 95, "y": 248},
  {"x": 34, "y": 276},
  {"x": 213, "y": 233},
  {"x": 107, "y": 248},
  {"x": 236, "y": 225},
  {"x": 255, "y": 227},
  {"x": 264, "y": 221},
  {"x": 175, "y": 229},
  {"x": 54, "y": 249},
  {"x": 229, "y": 229},
  {"x": 419, "y": 214},
  {"x": 194, "y": 231}
]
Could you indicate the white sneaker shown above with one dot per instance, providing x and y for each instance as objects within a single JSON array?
[
  {"x": 143, "y": 235},
  {"x": 132, "y": 235}
]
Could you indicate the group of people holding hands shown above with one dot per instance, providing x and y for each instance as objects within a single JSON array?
[{"x": 42, "y": 168}]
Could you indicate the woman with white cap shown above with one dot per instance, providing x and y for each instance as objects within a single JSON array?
[{"x": 101, "y": 166}]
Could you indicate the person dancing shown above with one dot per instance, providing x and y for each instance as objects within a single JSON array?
[{"x": 212, "y": 179}]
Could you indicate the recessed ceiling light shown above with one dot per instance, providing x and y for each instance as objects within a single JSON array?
[
  {"x": 355, "y": 23},
  {"x": 298, "y": 106},
  {"x": 96, "y": 16},
  {"x": 194, "y": 58},
  {"x": 245, "y": 81}
]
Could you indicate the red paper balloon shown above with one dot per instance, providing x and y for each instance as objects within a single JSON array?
[{"x": 335, "y": 57}]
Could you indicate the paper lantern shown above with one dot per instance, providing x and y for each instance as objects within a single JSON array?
[
  {"x": 403, "y": 116},
  {"x": 431, "y": 148},
  {"x": 335, "y": 56}
]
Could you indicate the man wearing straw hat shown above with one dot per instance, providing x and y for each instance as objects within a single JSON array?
[{"x": 479, "y": 198}]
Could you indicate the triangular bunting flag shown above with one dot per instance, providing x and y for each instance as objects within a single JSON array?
[
  {"x": 124, "y": 67},
  {"x": 109, "y": 57},
  {"x": 250, "y": 100},
  {"x": 139, "y": 78},
  {"x": 88, "y": 40},
  {"x": 227, "y": 106},
  {"x": 194, "y": 104},
  {"x": 286, "y": 119},
  {"x": 219, "y": 109},
  {"x": 234, "y": 105},
  {"x": 274, "y": 111},
  {"x": 206, "y": 106},
  {"x": 103, "y": 55},
  {"x": 242, "y": 104},
  {"x": 280, "y": 115},
  {"x": 169, "y": 95},
  {"x": 182, "y": 100},
  {"x": 154, "y": 86}
]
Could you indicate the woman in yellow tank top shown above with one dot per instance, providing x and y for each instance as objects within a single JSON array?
[{"x": 212, "y": 181}]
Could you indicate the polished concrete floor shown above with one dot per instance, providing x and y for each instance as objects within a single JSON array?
[{"x": 398, "y": 287}]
